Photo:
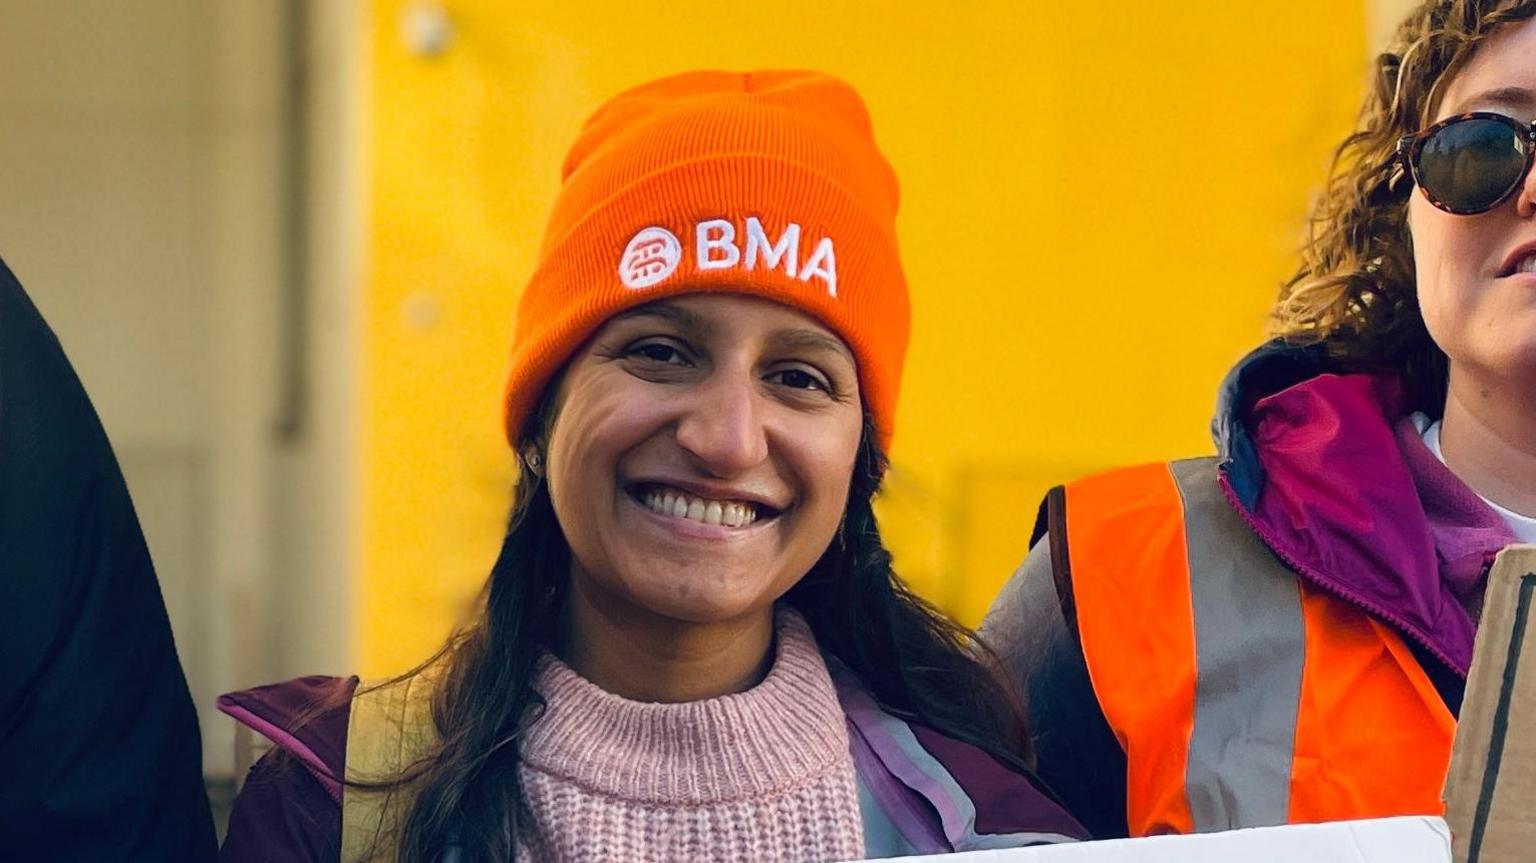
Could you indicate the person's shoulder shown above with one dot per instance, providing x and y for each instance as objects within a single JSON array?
[
  {"x": 1009, "y": 801},
  {"x": 289, "y": 807},
  {"x": 1148, "y": 477},
  {"x": 306, "y": 718},
  {"x": 1113, "y": 499},
  {"x": 1008, "y": 805}
]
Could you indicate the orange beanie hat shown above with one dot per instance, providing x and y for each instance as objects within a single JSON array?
[{"x": 764, "y": 183}]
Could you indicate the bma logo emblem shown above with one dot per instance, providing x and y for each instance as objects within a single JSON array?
[{"x": 649, "y": 258}]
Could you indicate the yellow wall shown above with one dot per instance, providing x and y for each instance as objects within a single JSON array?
[{"x": 1097, "y": 207}]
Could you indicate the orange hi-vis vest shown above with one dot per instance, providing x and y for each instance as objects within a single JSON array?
[{"x": 1242, "y": 695}]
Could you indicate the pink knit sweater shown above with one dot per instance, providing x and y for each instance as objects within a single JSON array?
[{"x": 764, "y": 775}]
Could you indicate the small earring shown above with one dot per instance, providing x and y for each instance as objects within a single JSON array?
[{"x": 534, "y": 461}]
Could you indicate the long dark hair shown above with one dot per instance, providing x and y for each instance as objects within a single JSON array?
[{"x": 914, "y": 661}]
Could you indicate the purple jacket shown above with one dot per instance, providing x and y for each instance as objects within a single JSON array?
[
  {"x": 920, "y": 792},
  {"x": 1325, "y": 468}
]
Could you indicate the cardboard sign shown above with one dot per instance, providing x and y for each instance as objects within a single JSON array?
[
  {"x": 1419, "y": 839},
  {"x": 1490, "y": 790}
]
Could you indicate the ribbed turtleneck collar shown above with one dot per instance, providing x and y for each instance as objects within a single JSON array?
[{"x": 778, "y": 735}]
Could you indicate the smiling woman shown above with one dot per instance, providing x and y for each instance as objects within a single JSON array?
[
  {"x": 699, "y": 466},
  {"x": 692, "y": 645}
]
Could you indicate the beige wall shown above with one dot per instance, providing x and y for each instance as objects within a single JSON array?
[
  {"x": 144, "y": 203},
  {"x": 1383, "y": 17}
]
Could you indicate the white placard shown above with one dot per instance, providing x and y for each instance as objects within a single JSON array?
[{"x": 1418, "y": 839}]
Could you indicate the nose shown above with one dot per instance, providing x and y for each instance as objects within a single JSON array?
[{"x": 723, "y": 428}]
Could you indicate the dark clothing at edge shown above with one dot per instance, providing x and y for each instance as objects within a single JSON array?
[{"x": 100, "y": 758}]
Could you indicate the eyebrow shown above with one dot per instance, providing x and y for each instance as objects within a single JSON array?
[
  {"x": 698, "y": 326},
  {"x": 683, "y": 318},
  {"x": 1512, "y": 97},
  {"x": 812, "y": 340}
]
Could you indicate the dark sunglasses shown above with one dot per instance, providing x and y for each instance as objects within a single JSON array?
[{"x": 1470, "y": 163}]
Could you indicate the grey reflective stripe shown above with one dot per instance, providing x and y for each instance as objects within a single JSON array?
[{"x": 1250, "y": 644}]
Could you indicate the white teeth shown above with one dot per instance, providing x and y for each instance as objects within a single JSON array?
[
  {"x": 1528, "y": 265},
  {"x": 704, "y": 511}
]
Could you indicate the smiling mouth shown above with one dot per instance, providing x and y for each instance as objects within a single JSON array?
[{"x": 672, "y": 503}]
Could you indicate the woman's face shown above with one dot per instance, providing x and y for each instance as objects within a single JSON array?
[
  {"x": 701, "y": 454},
  {"x": 1479, "y": 307}
]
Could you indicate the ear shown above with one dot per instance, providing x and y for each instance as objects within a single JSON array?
[{"x": 532, "y": 458}]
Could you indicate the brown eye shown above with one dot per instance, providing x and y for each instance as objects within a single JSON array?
[
  {"x": 658, "y": 352},
  {"x": 800, "y": 379}
]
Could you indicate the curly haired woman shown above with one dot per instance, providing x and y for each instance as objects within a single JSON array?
[{"x": 1281, "y": 633}]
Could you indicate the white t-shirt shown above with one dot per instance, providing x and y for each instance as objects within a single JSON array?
[{"x": 1524, "y": 526}]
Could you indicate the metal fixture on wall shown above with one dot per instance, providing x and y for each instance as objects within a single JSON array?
[{"x": 427, "y": 29}]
